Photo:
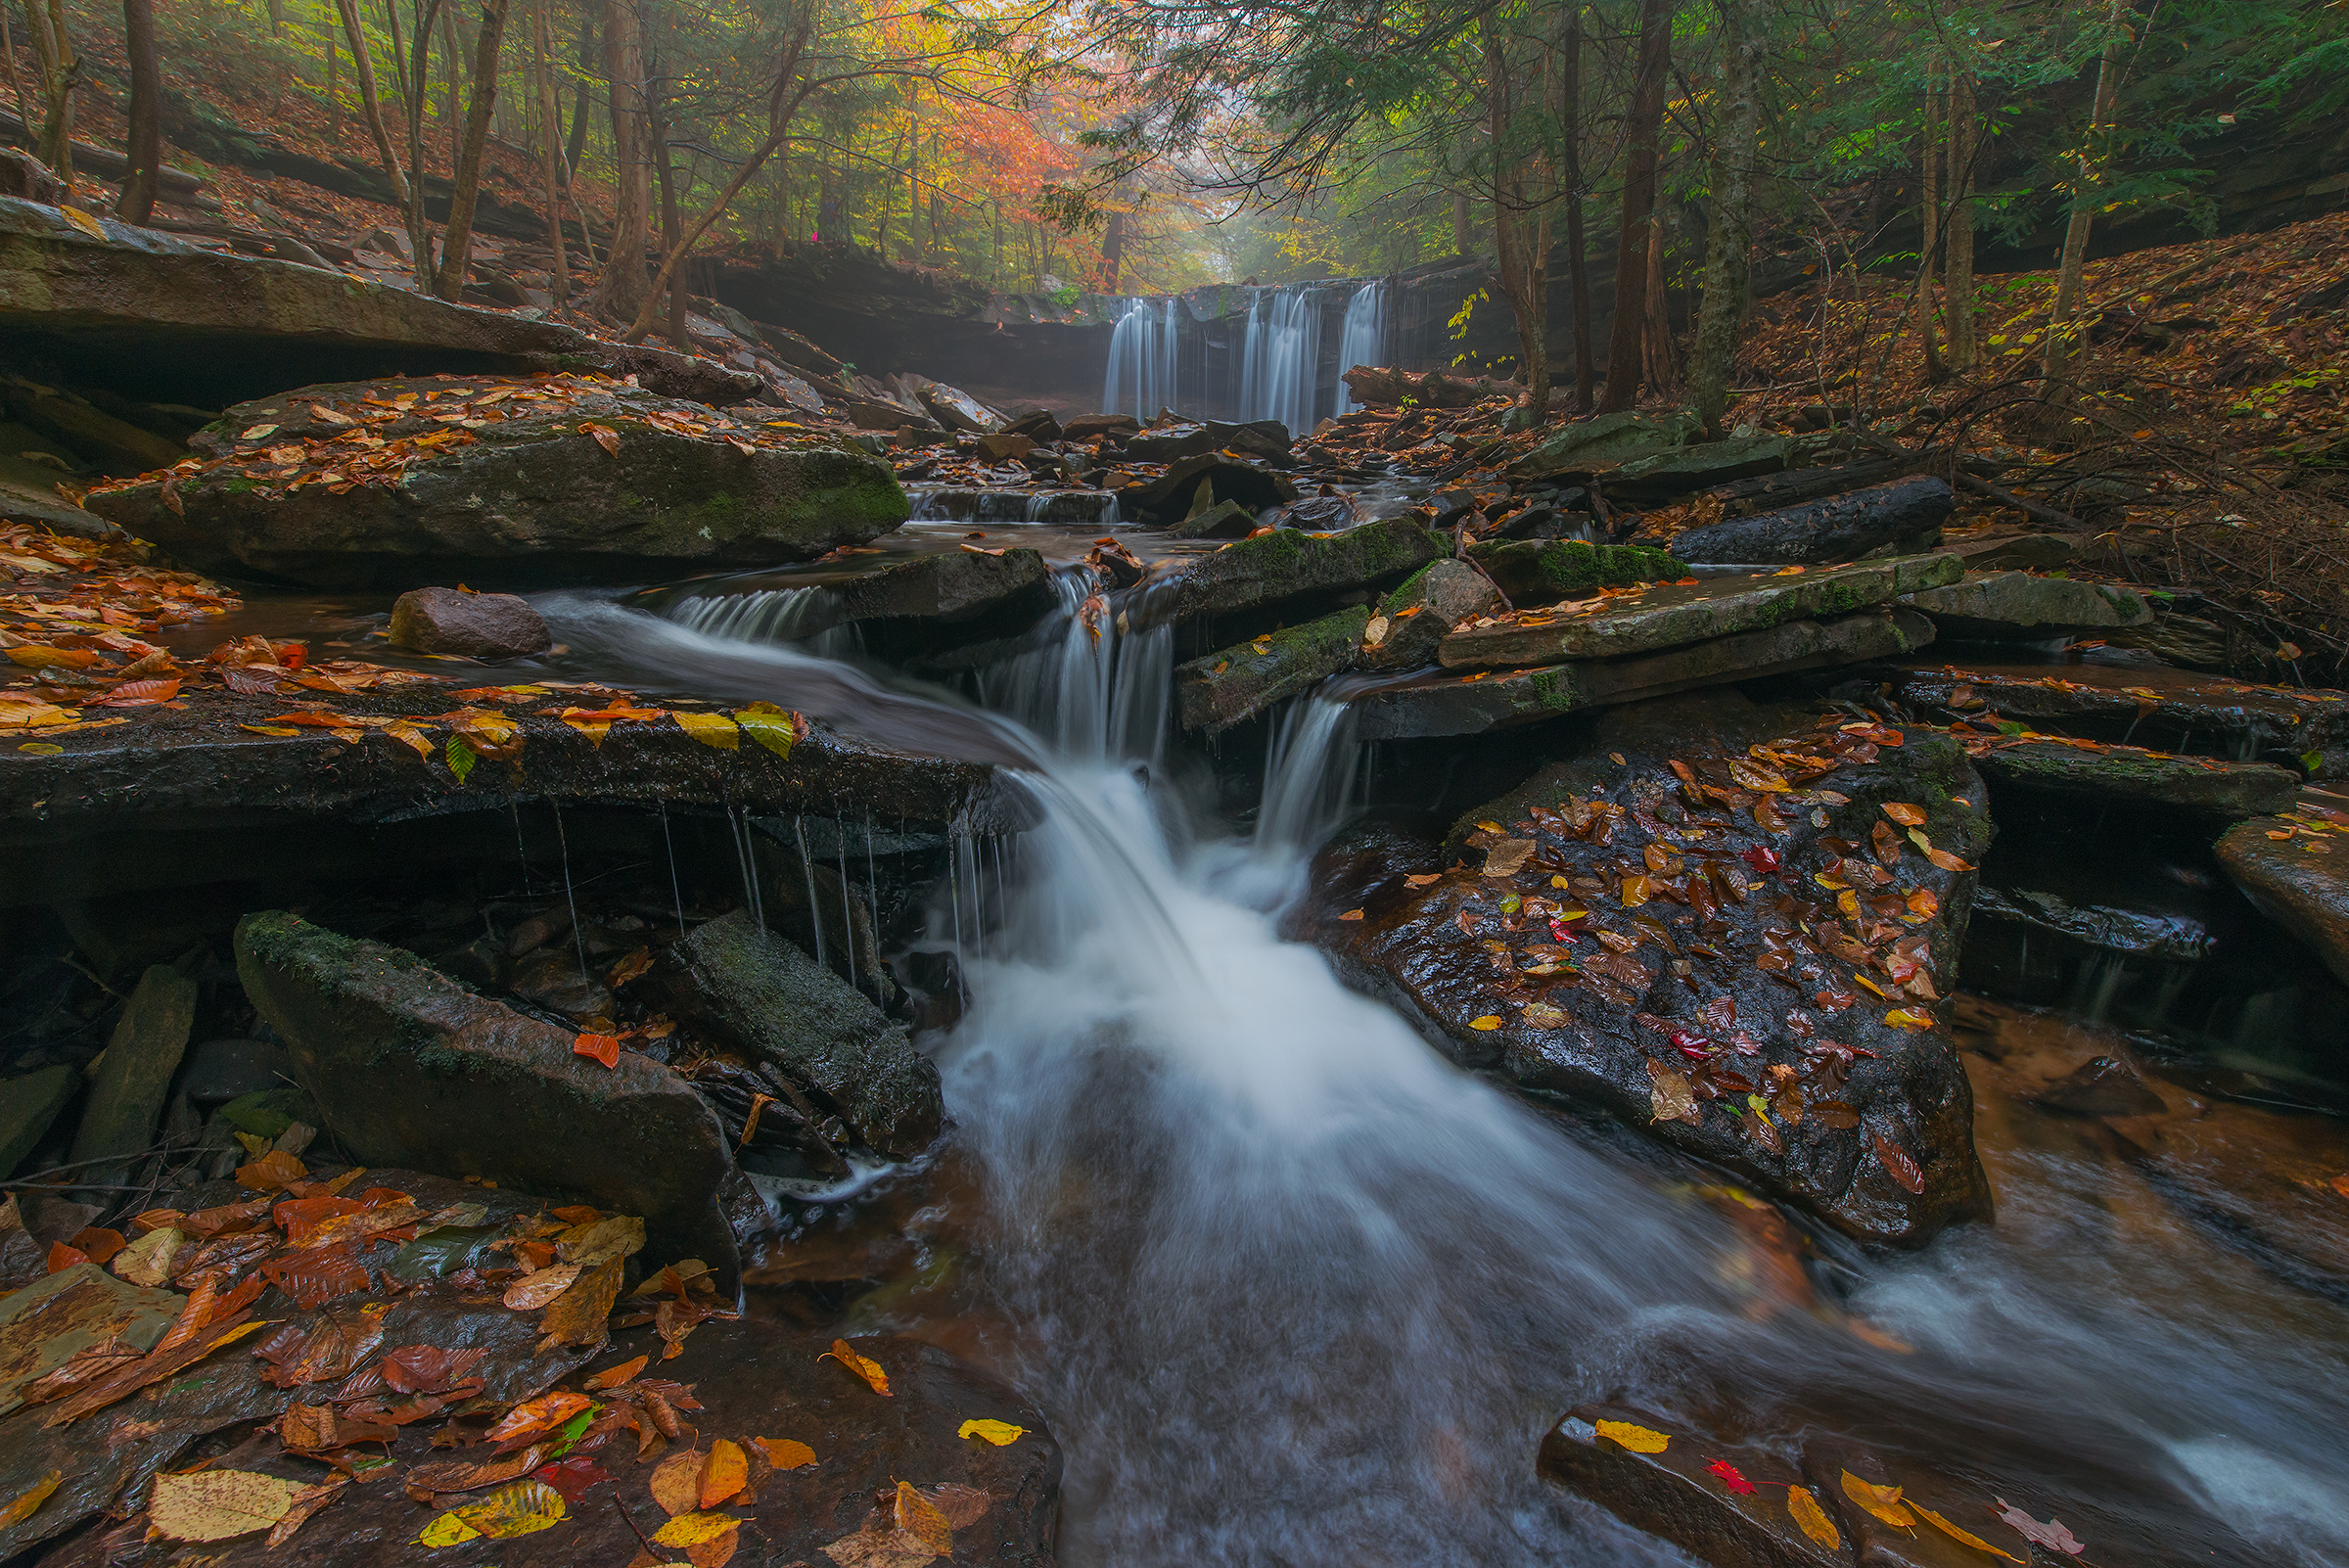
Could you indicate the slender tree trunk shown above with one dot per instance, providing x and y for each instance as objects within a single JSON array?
[
  {"x": 622, "y": 289},
  {"x": 53, "y": 51},
  {"x": 2057, "y": 360},
  {"x": 1965, "y": 350},
  {"x": 1928, "y": 224},
  {"x": 8, "y": 53},
  {"x": 1729, "y": 237},
  {"x": 550, "y": 153},
  {"x": 581, "y": 101},
  {"x": 1578, "y": 268},
  {"x": 362, "y": 67},
  {"x": 1519, "y": 228},
  {"x": 658, "y": 121},
  {"x": 415, "y": 59},
  {"x": 1113, "y": 253},
  {"x": 144, "y": 140},
  {"x": 1645, "y": 119},
  {"x": 1461, "y": 219},
  {"x": 1658, "y": 358},
  {"x": 456, "y": 244},
  {"x": 333, "y": 88}
]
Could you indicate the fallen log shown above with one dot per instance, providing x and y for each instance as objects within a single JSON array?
[
  {"x": 173, "y": 184},
  {"x": 1371, "y": 384},
  {"x": 1841, "y": 528},
  {"x": 1770, "y": 493}
]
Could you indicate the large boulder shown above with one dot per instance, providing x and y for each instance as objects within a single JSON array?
[
  {"x": 411, "y": 1068},
  {"x": 1285, "y": 564},
  {"x": 1220, "y": 689},
  {"x": 1841, "y": 528},
  {"x": 1717, "y": 905},
  {"x": 766, "y": 998},
  {"x": 398, "y": 483},
  {"x": 1607, "y": 441},
  {"x": 1208, "y": 477},
  {"x": 1416, "y": 615},
  {"x": 477, "y": 626},
  {"x": 2294, "y": 876},
  {"x": 2093, "y": 771}
]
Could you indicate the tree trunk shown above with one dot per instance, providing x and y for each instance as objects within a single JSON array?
[
  {"x": 456, "y": 244},
  {"x": 1520, "y": 229},
  {"x": 581, "y": 101},
  {"x": 1658, "y": 358},
  {"x": 1645, "y": 119},
  {"x": 53, "y": 51},
  {"x": 1928, "y": 225},
  {"x": 2057, "y": 360},
  {"x": 666, "y": 177},
  {"x": 333, "y": 87},
  {"x": 1113, "y": 253},
  {"x": 619, "y": 294},
  {"x": 414, "y": 59},
  {"x": 1729, "y": 236},
  {"x": 550, "y": 153},
  {"x": 1965, "y": 348},
  {"x": 1461, "y": 219},
  {"x": 144, "y": 140},
  {"x": 1578, "y": 269},
  {"x": 362, "y": 67}
]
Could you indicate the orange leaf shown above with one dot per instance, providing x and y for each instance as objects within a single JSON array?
[
  {"x": 271, "y": 1170},
  {"x": 919, "y": 1518},
  {"x": 725, "y": 1473},
  {"x": 785, "y": 1454},
  {"x": 539, "y": 1414},
  {"x": 604, "y": 1048},
  {"x": 614, "y": 1376},
  {"x": 63, "y": 1257},
  {"x": 871, "y": 1370}
]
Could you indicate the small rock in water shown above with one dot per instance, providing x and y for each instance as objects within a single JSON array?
[
  {"x": 1005, "y": 447},
  {"x": 479, "y": 625},
  {"x": 2104, "y": 1086}
]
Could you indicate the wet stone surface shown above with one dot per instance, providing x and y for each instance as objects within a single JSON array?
[{"x": 1745, "y": 962}]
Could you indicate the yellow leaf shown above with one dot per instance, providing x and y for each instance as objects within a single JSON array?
[
  {"x": 218, "y": 1505},
  {"x": 711, "y": 729},
  {"x": 726, "y": 1472},
  {"x": 1955, "y": 1534},
  {"x": 692, "y": 1529},
  {"x": 999, "y": 1433},
  {"x": 871, "y": 1370},
  {"x": 595, "y": 730},
  {"x": 789, "y": 1453},
  {"x": 1638, "y": 1439},
  {"x": 1487, "y": 1023},
  {"x": 447, "y": 1531},
  {"x": 919, "y": 1518},
  {"x": 1813, "y": 1518},
  {"x": 1882, "y": 1501},
  {"x": 1908, "y": 1018},
  {"x": 770, "y": 726},
  {"x": 29, "y": 1503},
  {"x": 521, "y": 1510}
]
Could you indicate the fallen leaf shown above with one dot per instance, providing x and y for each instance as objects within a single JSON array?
[
  {"x": 711, "y": 729},
  {"x": 1670, "y": 1098},
  {"x": 1896, "y": 1161},
  {"x": 572, "y": 1477},
  {"x": 217, "y": 1504},
  {"x": 148, "y": 1261},
  {"x": 725, "y": 1473},
  {"x": 614, "y": 1376},
  {"x": 1487, "y": 1023},
  {"x": 305, "y": 1503},
  {"x": 582, "y": 1315},
  {"x": 2051, "y": 1534},
  {"x": 871, "y": 1370},
  {"x": 428, "y": 1369},
  {"x": 676, "y": 1482},
  {"x": 29, "y": 1501},
  {"x": 1881, "y": 1500},
  {"x": 1906, "y": 815},
  {"x": 1813, "y": 1518},
  {"x": 271, "y": 1172},
  {"x": 534, "y": 1290},
  {"x": 689, "y": 1529},
  {"x": 1731, "y": 1476},
  {"x": 619, "y": 1236},
  {"x": 1638, "y": 1439},
  {"x": 1955, "y": 1534},
  {"x": 789, "y": 1453},
  {"x": 533, "y": 1416},
  {"x": 523, "y": 1508},
  {"x": 1000, "y": 1433},
  {"x": 604, "y": 1048},
  {"x": 920, "y": 1518},
  {"x": 1505, "y": 858},
  {"x": 772, "y": 728},
  {"x": 604, "y": 436},
  {"x": 1351, "y": 914}
]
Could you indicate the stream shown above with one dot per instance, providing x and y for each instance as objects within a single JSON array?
[{"x": 1292, "y": 1289}]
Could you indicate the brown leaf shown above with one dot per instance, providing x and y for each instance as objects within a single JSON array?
[
  {"x": 317, "y": 1427},
  {"x": 533, "y": 1416},
  {"x": 428, "y": 1369},
  {"x": 426, "y": 1480},
  {"x": 676, "y": 1482},
  {"x": 615, "y": 1376},
  {"x": 304, "y": 1504},
  {"x": 330, "y": 1352},
  {"x": 582, "y": 1315},
  {"x": 1902, "y": 1168}
]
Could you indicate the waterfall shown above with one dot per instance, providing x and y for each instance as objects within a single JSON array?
[
  {"x": 1141, "y": 378},
  {"x": 1280, "y": 367},
  {"x": 1308, "y": 776},
  {"x": 807, "y": 615},
  {"x": 1289, "y": 1288},
  {"x": 1364, "y": 340}
]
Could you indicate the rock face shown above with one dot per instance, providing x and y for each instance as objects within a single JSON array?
[
  {"x": 1287, "y": 563},
  {"x": 1174, "y": 494},
  {"x": 1218, "y": 690},
  {"x": 1669, "y": 614},
  {"x": 1610, "y": 440},
  {"x": 560, "y": 482},
  {"x": 29, "y": 1108},
  {"x": 769, "y": 999},
  {"x": 479, "y": 626},
  {"x": 135, "y": 307},
  {"x": 1413, "y": 619},
  {"x": 2308, "y": 895},
  {"x": 133, "y": 1082},
  {"x": 2018, "y": 607},
  {"x": 1843, "y": 528},
  {"x": 1534, "y": 572},
  {"x": 2232, "y": 790},
  {"x": 1712, "y": 943},
  {"x": 1466, "y": 705},
  {"x": 411, "y": 1068}
]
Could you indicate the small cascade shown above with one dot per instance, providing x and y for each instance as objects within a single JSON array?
[
  {"x": 1308, "y": 777},
  {"x": 1364, "y": 340},
  {"x": 946, "y": 504},
  {"x": 1141, "y": 378},
  {"x": 1280, "y": 366},
  {"x": 1095, "y": 690},
  {"x": 807, "y": 616}
]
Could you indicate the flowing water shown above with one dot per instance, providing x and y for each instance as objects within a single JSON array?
[
  {"x": 1143, "y": 348},
  {"x": 1291, "y": 1289},
  {"x": 1364, "y": 338},
  {"x": 1280, "y": 362}
]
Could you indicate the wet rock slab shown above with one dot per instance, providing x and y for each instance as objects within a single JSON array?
[
  {"x": 1220, "y": 689},
  {"x": 2297, "y": 879},
  {"x": 1842, "y": 528},
  {"x": 1768, "y": 929},
  {"x": 753, "y": 1379},
  {"x": 554, "y": 481},
  {"x": 2098, "y": 772},
  {"x": 409, "y": 1067},
  {"x": 1467, "y": 705},
  {"x": 1287, "y": 563},
  {"x": 1672, "y": 613},
  {"x": 2168, "y": 710},
  {"x": 1544, "y": 571},
  {"x": 2021, "y": 606}
]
